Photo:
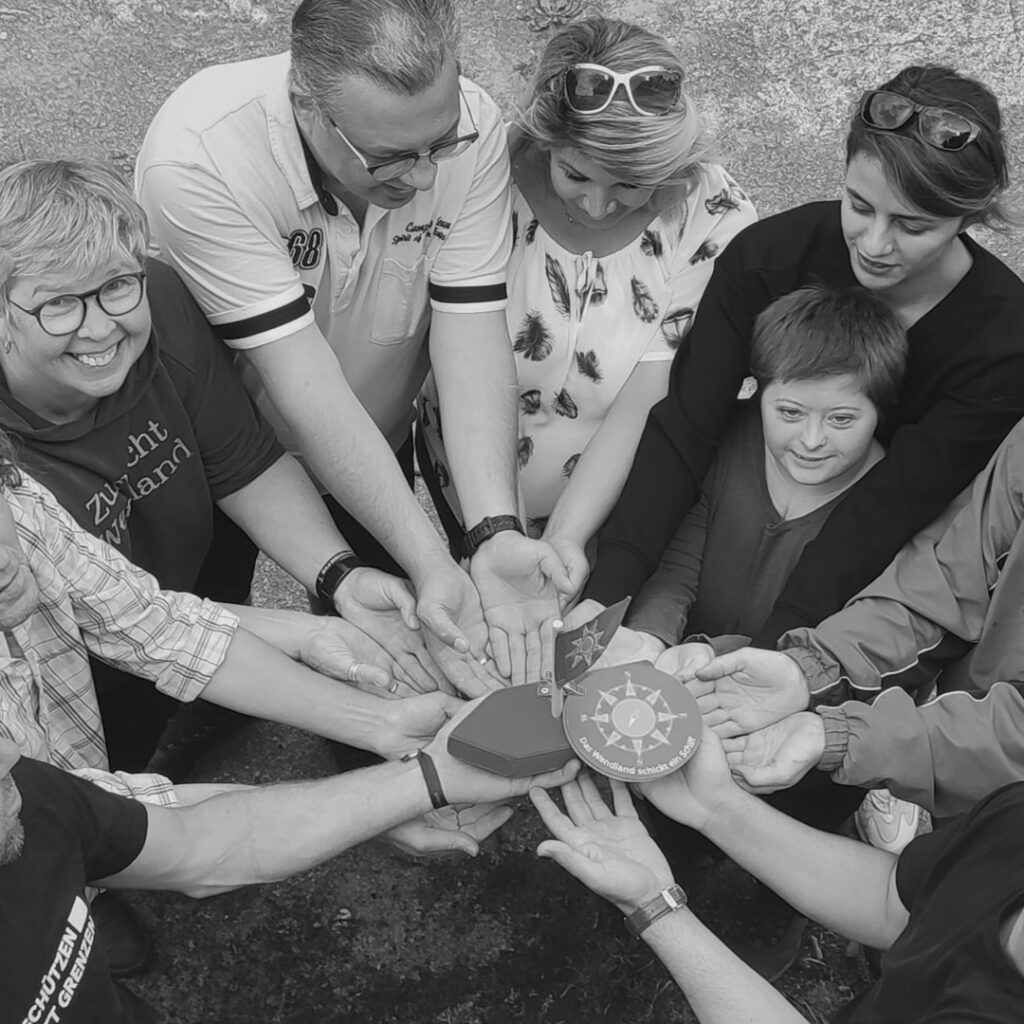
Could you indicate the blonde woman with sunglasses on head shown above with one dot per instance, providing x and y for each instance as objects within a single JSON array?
[{"x": 617, "y": 219}]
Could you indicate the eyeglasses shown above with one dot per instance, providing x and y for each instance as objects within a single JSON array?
[
  {"x": 403, "y": 163},
  {"x": 940, "y": 128},
  {"x": 653, "y": 91},
  {"x": 64, "y": 314}
]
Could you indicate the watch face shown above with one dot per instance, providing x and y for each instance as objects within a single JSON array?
[{"x": 632, "y": 722}]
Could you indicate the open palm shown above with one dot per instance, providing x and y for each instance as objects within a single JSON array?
[{"x": 610, "y": 853}]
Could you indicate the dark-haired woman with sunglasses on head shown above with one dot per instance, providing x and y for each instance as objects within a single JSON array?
[
  {"x": 925, "y": 160},
  {"x": 617, "y": 219}
]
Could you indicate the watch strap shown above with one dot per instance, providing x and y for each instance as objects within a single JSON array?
[
  {"x": 486, "y": 529},
  {"x": 666, "y": 902},
  {"x": 334, "y": 570},
  {"x": 430, "y": 777}
]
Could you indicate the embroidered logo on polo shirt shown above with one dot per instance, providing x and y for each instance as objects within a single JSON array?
[
  {"x": 305, "y": 248},
  {"x": 436, "y": 227}
]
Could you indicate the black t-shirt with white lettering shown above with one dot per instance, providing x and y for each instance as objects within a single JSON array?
[
  {"x": 960, "y": 884},
  {"x": 52, "y": 971}
]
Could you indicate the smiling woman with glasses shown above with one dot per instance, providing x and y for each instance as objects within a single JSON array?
[
  {"x": 618, "y": 215},
  {"x": 124, "y": 403}
]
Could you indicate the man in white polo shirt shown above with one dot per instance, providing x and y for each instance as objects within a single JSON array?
[{"x": 326, "y": 207}]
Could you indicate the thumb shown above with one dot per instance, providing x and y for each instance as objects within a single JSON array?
[
  {"x": 554, "y": 568},
  {"x": 442, "y": 841},
  {"x": 439, "y": 621},
  {"x": 567, "y": 858},
  {"x": 399, "y": 595},
  {"x": 723, "y": 665}
]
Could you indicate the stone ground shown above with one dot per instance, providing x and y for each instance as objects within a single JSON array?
[{"x": 374, "y": 937}]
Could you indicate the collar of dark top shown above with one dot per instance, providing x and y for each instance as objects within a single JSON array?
[{"x": 316, "y": 176}]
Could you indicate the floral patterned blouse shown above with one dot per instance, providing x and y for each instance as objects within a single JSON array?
[{"x": 580, "y": 324}]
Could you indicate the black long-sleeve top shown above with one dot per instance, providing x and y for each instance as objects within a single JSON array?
[{"x": 963, "y": 391}]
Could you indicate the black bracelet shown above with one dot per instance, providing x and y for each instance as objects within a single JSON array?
[
  {"x": 335, "y": 569},
  {"x": 486, "y": 529},
  {"x": 430, "y": 777}
]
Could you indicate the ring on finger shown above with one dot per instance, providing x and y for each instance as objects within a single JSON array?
[
  {"x": 393, "y": 688},
  {"x": 484, "y": 659},
  {"x": 353, "y": 670}
]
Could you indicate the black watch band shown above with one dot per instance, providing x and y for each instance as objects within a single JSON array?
[
  {"x": 430, "y": 777},
  {"x": 335, "y": 569},
  {"x": 487, "y": 528},
  {"x": 668, "y": 900}
]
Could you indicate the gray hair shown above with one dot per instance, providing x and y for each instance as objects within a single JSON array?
[
  {"x": 402, "y": 45},
  {"x": 61, "y": 216}
]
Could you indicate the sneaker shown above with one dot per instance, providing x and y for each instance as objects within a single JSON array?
[
  {"x": 886, "y": 822},
  {"x": 121, "y": 935}
]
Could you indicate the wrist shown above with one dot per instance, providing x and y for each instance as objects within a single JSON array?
[
  {"x": 488, "y": 529},
  {"x": 654, "y": 907},
  {"x": 333, "y": 574},
  {"x": 833, "y": 732}
]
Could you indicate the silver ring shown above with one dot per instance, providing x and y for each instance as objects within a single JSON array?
[
  {"x": 484, "y": 660},
  {"x": 353, "y": 670},
  {"x": 393, "y": 688}
]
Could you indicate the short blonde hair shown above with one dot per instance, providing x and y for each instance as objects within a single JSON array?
[
  {"x": 61, "y": 216},
  {"x": 659, "y": 152}
]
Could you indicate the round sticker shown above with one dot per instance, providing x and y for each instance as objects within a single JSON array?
[{"x": 632, "y": 722}]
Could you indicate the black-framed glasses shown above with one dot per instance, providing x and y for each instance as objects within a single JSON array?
[
  {"x": 402, "y": 163},
  {"x": 943, "y": 129},
  {"x": 64, "y": 314},
  {"x": 652, "y": 91}
]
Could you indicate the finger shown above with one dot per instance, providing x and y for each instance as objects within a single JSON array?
[
  {"x": 486, "y": 823},
  {"x": 554, "y": 568},
  {"x": 710, "y": 705},
  {"x": 727, "y": 729},
  {"x": 576, "y": 805},
  {"x": 439, "y": 840},
  {"x": 411, "y": 673},
  {"x": 369, "y": 675},
  {"x": 499, "y": 643},
  {"x": 517, "y": 658},
  {"x": 554, "y": 820},
  {"x": 736, "y": 745},
  {"x": 578, "y": 865},
  {"x": 439, "y": 621},
  {"x": 533, "y": 656},
  {"x": 723, "y": 665},
  {"x": 591, "y": 794},
  {"x": 561, "y": 777},
  {"x": 759, "y": 779},
  {"x": 548, "y": 630},
  {"x": 700, "y": 687},
  {"x": 622, "y": 800},
  {"x": 401, "y": 597}
]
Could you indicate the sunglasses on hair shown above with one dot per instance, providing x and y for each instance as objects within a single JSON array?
[
  {"x": 940, "y": 128},
  {"x": 590, "y": 88}
]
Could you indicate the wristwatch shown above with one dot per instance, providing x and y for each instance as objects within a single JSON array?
[
  {"x": 666, "y": 902},
  {"x": 486, "y": 529},
  {"x": 335, "y": 569}
]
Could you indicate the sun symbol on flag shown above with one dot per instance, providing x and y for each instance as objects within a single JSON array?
[{"x": 587, "y": 647}]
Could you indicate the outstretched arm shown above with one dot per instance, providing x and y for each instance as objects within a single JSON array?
[
  {"x": 613, "y": 855},
  {"x": 266, "y": 834}
]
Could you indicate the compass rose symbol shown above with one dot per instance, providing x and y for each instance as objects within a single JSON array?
[{"x": 587, "y": 647}]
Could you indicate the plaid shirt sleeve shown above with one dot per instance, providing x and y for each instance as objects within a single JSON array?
[
  {"x": 146, "y": 787},
  {"x": 176, "y": 640}
]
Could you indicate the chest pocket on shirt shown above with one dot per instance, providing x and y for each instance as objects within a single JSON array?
[{"x": 402, "y": 305}]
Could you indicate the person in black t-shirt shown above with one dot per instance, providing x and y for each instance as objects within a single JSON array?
[
  {"x": 948, "y": 912},
  {"x": 59, "y": 832}
]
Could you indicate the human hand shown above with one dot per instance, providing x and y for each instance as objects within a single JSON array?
[
  {"x": 695, "y": 793},
  {"x": 611, "y": 854},
  {"x": 336, "y": 648},
  {"x": 449, "y": 830},
  {"x": 383, "y": 607},
  {"x": 521, "y": 583},
  {"x": 411, "y": 723},
  {"x": 19, "y": 594},
  {"x": 683, "y": 660},
  {"x": 778, "y": 756},
  {"x": 577, "y": 567},
  {"x": 462, "y": 783},
  {"x": 748, "y": 690}
]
